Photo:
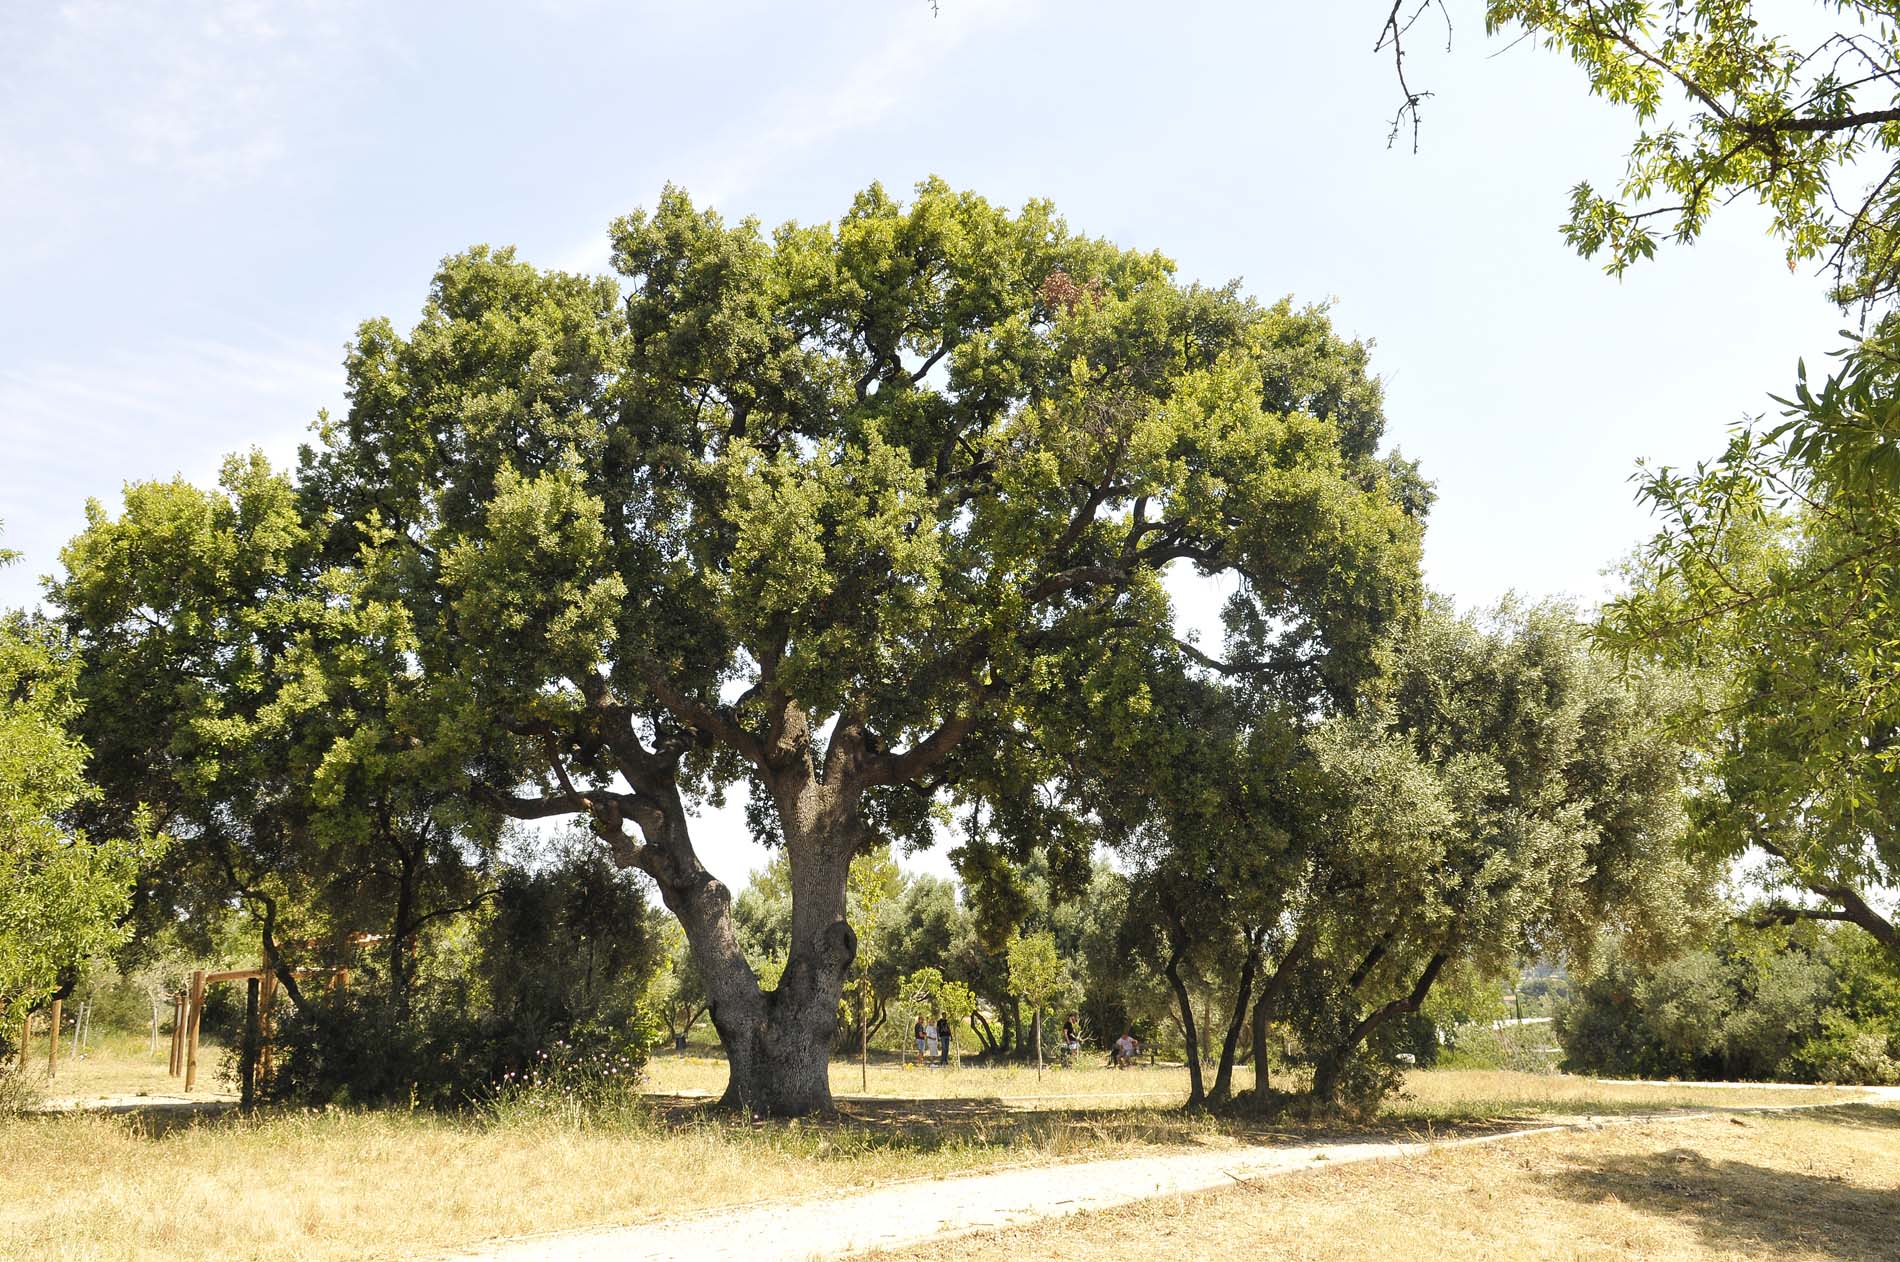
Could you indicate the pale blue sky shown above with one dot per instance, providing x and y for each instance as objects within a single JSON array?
[{"x": 201, "y": 198}]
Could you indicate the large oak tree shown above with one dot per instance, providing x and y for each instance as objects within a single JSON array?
[{"x": 817, "y": 511}]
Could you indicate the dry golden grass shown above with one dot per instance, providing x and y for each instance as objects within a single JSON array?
[
  {"x": 1492, "y": 1094},
  {"x": 348, "y": 1185},
  {"x": 1809, "y": 1187}
]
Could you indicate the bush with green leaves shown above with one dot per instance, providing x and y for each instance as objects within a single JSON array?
[
  {"x": 1807, "y": 1004},
  {"x": 557, "y": 979}
]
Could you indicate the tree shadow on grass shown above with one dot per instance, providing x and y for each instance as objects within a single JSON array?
[
  {"x": 1755, "y": 1210},
  {"x": 930, "y": 1125}
]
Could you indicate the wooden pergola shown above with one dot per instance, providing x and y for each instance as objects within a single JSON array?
[{"x": 188, "y": 1010}]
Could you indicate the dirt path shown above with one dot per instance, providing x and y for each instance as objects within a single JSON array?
[
  {"x": 903, "y": 1215},
  {"x": 197, "y": 1102}
]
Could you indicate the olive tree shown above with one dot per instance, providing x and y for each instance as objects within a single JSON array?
[{"x": 1507, "y": 791}]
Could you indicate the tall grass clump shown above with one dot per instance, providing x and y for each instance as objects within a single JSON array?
[
  {"x": 19, "y": 1093},
  {"x": 573, "y": 1087}
]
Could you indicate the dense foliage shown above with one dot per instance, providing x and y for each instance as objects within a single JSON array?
[
  {"x": 553, "y": 974},
  {"x": 1808, "y": 1003},
  {"x": 1774, "y": 579},
  {"x": 63, "y": 893},
  {"x": 807, "y": 511}
]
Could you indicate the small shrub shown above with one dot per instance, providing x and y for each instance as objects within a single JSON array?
[
  {"x": 574, "y": 1087},
  {"x": 18, "y": 1093},
  {"x": 1846, "y": 1052}
]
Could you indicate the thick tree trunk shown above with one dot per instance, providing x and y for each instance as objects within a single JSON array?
[
  {"x": 1224, "y": 1073},
  {"x": 1326, "y": 1074},
  {"x": 1197, "y": 1093},
  {"x": 778, "y": 1044}
]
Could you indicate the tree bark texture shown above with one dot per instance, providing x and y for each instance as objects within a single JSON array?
[{"x": 1268, "y": 1004}]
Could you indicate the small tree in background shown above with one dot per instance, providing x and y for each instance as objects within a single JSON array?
[
  {"x": 873, "y": 883},
  {"x": 919, "y": 991},
  {"x": 1037, "y": 974},
  {"x": 676, "y": 992},
  {"x": 957, "y": 1002}
]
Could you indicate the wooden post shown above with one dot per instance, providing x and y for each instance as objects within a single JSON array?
[
  {"x": 177, "y": 1065},
  {"x": 194, "y": 1015},
  {"x": 26, "y": 1039},
  {"x": 247, "y": 1055},
  {"x": 52, "y": 1056},
  {"x": 268, "y": 1002}
]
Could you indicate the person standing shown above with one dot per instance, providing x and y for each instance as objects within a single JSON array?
[
  {"x": 943, "y": 1034},
  {"x": 917, "y": 1032}
]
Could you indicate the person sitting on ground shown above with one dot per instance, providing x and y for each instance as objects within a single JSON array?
[{"x": 943, "y": 1035}]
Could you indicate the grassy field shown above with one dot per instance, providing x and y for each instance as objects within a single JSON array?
[
  {"x": 1808, "y": 1187},
  {"x": 348, "y": 1184},
  {"x": 122, "y": 1065}
]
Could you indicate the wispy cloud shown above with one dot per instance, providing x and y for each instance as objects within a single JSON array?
[
  {"x": 856, "y": 90},
  {"x": 175, "y": 407},
  {"x": 97, "y": 96}
]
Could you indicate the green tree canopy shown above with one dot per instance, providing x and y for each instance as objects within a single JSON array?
[
  {"x": 262, "y": 705},
  {"x": 806, "y": 510},
  {"x": 1774, "y": 579},
  {"x": 63, "y": 893}
]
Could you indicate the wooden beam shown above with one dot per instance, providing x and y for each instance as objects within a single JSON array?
[
  {"x": 176, "y": 1065},
  {"x": 193, "y": 1017},
  {"x": 52, "y": 1056},
  {"x": 26, "y": 1038},
  {"x": 235, "y": 975}
]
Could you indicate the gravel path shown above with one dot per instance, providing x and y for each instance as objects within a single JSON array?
[{"x": 902, "y": 1215}]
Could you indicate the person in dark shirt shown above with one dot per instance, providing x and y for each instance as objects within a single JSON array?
[
  {"x": 917, "y": 1032},
  {"x": 943, "y": 1035}
]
